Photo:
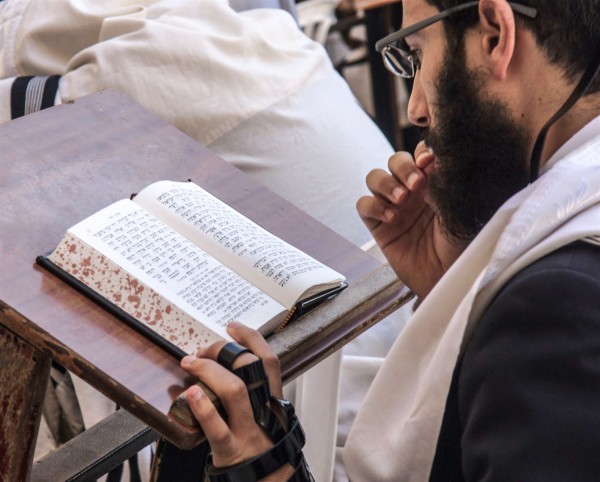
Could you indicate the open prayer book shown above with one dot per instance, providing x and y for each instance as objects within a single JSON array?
[{"x": 178, "y": 264}]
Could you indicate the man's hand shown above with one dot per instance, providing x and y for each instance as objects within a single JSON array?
[
  {"x": 403, "y": 223},
  {"x": 238, "y": 438}
]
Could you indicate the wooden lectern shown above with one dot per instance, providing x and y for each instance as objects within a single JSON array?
[{"x": 64, "y": 163}]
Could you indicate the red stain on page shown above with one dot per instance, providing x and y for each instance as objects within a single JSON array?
[
  {"x": 134, "y": 300},
  {"x": 131, "y": 295}
]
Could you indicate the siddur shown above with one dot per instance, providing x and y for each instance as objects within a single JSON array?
[{"x": 179, "y": 264}]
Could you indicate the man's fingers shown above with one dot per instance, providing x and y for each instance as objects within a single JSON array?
[
  {"x": 395, "y": 186},
  {"x": 233, "y": 439},
  {"x": 229, "y": 388},
  {"x": 255, "y": 341},
  {"x": 212, "y": 352},
  {"x": 404, "y": 169},
  {"x": 383, "y": 184},
  {"x": 374, "y": 211},
  {"x": 249, "y": 338},
  {"x": 213, "y": 425},
  {"x": 259, "y": 347},
  {"x": 424, "y": 156}
]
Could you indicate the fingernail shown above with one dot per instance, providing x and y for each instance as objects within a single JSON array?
[
  {"x": 397, "y": 192},
  {"x": 389, "y": 214},
  {"x": 234, "y": 324},
  {"x": 412, "y": 179},
  {"x": 195, "y": 392},
  {"x": 422, "y": 155},
  {"x": 187, "y": 360}
]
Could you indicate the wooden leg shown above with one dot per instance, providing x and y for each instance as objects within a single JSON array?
[{"x": 23, "y": 378}]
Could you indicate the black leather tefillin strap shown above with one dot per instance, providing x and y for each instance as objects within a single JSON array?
[
  {"x": 279, "y": 421},
  {"x": 580, "y": 89},
  {"x": 228, "y": 354},
  {"x": 288, "y": 450},
  {"x": 255, "y": 378}
]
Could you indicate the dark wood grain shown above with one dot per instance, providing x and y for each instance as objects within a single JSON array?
[
  {"x": 61, "y": 165},
  {"x": 23, "y": 378}
]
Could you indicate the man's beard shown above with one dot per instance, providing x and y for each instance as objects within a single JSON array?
[{"x": 481, "y": 152}]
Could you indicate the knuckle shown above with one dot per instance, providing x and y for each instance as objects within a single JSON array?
[
  {"x": 197, "y": 366},
  {"x": 270, "y": 357},
  {"x": 254, "y": 338},
  {"x": 396, "y": 158},
  {"x": 221, "y": 437},
  {"x": 400, "y": 160},
  {"x": 210, "y": 411},
  {"x": 236, "y": 389},
  {"x": 271, "y": 362},
  {"x": 206, "y": 410}
]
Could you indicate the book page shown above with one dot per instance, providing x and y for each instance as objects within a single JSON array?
[
  {"x": 277, "y": 268},
  {"x": 174, "y": 267}
]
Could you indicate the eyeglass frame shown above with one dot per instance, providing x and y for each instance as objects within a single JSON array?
[{"x": 385, "y": 44}]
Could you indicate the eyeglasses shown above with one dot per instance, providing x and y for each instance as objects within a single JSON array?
[{"x": 404, "y": 62}]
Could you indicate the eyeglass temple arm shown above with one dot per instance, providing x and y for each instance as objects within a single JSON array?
[{"x": 405, "y": 32}]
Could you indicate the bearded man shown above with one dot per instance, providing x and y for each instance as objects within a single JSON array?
[{"x": 495, "y": 226}]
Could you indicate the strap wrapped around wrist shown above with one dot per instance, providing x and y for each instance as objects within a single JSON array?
[
  {"x": 301, "y": 473},
  {"x": 288, "y": 450}
]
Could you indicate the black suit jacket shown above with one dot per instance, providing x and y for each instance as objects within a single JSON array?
[{"x": 524, "y": 404}]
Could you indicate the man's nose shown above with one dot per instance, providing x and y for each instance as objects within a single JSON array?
[{"x": 418, "y": 109}]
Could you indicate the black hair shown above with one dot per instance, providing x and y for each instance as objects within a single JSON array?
[{"x": 568, "y": 31}]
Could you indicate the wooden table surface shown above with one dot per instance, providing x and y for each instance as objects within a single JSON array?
[{"x": 64, "y": 163}]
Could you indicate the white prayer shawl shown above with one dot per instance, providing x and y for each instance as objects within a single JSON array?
[
  {"x": 395, "y": 434},
  {"x": 129, "y": 38}
]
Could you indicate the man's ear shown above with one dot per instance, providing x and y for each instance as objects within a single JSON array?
[{"x": 497, "y": 24}]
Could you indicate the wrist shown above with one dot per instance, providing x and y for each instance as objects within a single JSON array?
[{"x": 287, "y": 452}]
